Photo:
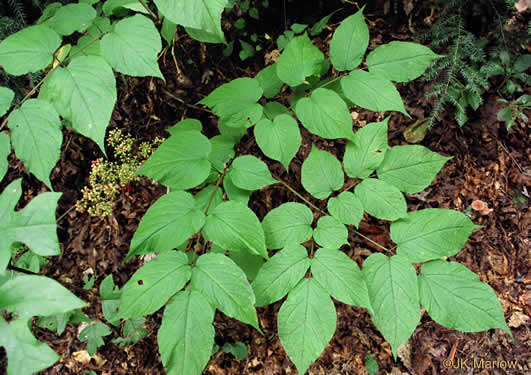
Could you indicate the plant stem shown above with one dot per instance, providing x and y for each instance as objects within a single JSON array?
[
  {"x": 218, "y": 183},
  {"x": 148, "y": 10}
]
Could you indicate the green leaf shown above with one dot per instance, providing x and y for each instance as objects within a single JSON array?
[
  {"x": 306, "y": 323},
  {"x": 280, "y": 274},
  {"x": 185, "y": 125},
  {"x": 400, "y": 61},
  {"x": 153, "y": 284},
  {"x": 381, "y": 200},
  {"x": 202, "y": 18},
  {"x": 202, "y": 199},
  {"x": 132, "y": 332},
  {"x": 71, "y": 18},
  {"x": 34, "y": 225},
  {"x": 186, "y": 335},
  {"x": 249, "y": 263},
  {"x": 321, "y": 174},
  {"x": 115, "y": 6},
  {"x": 455, "y": 298},
  {"x": 232, "y": 225},
  {"x": 288, "y": 223},
  {"x": 222, "y": 151},
  {"x": 341, "y": 277},
  {"x": 298, "y": 28},
  {"x": 411, "y": 168},
  {"x": 250, "y": 173},
  {"x": 37, "y": 137},
  {"x": 29, "y": 50},
  {"x": 228, "y": 131},
  {"x": 84, "y": 93},
  {"x": 330, "y": 232},
  {"x": 6, "y": 97},
  {"x": 170, "y": 221},
  {"x": 394, "y": 297},
  {"x": 132, "y": 47},
  {"x": 49, "y": 12},
  {"x": 269, "y": 81},
  {"x": 299, "y": 60},
  {"x": 347, "y": 208},
  {"x": 234, "y": 193},
  {"x": 431, "y": 234},
  {"x": 372, "y": 91},
  {"x": 25, "y": 354},
  {"x": 349, "y": 43},
  {"x": 181, "y": 162},
  {"x": 236, "y": 102},
  {"x": 246, "y": 51},
  {"x": 522, "y": 63},
  {"x": 225, "y": 285},
  {"x": 93, "y": 335},
  {"x": 367, "y": 150},
  {"x": 279, "y": 139},
  {"x": 274, "y": 109},
  {"x": 238, "y": 350},
  {"x": 319, "y": 26},
  {"x": 325, "y": 114},
  {"x": 110, "y": 300},
  {"x": 5, "y": 150},
  {"x": 31, "y": 295},
  {"x": 168, "y": 30},
  {"x": 57, "y": 323}
]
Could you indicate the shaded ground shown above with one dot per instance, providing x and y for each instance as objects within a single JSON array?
[{"x": 489, "y": 163}]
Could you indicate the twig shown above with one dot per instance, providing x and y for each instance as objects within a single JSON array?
[
  {"x": 148, "y": 10},
  {"x": 187, "y": 104},
  {"x": 66, "y": 213}
]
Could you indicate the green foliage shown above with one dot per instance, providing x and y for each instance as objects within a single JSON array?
[
  {"x": 132, "y": 332},
  {"x": 349, "y": 43},
  {"x": 238, "y": 350},
  {"x": 93, "y": 335}
]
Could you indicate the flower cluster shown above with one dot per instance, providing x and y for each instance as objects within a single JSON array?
[{"x": 109, "y": 178}]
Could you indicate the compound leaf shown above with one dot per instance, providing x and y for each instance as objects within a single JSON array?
[
  {"x": 299, "y": 60},
  {"x": 306, "y": 323},
  {"x": 93, "y": 335},
  {"x": 132, "y": 332},
  {"x": 288, "y": 223},
  {"x": 132, "y": 47},
  {"x": 431, "y": 233},
  {"x": 349, "y": 43},
  {"x": 71, "y": 18},
  {"x": 153, "y": 284},
  {"x": 330, "y": 232},
  {"x": 381, "y": 200},
  {"x": 186, "y": 334},
  {"x": 36, "y": 136},
  {"x": 225, "y": 285},
  {"x": 411, "y": 168},
  {"x": 347, "y": 208},
  {"x": 181, "y": 162},
  {"x": 250, "y": 173},
  {"x": 340, "y": 276},
  {"x": 280, "y": 274},
  {"x": 455, "y": 298},
  {"x": 321, "y": 173},
  {"x": 394, "y": 297},
  {"x": 233, "y": 226},
  {"x": 170, "y": 221}
]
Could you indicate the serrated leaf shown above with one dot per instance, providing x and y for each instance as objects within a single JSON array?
[
  {"x": 234, "y": 193},
  {"x": 93, "y": 335},
  {"x": 29, "y": 50},
  {"x": 349, "y": 43},
  {"x": 232, "y": 225},
  {"x": 411, "y": 168},
  {"x": 34, "y": 225},
  {"x": 289, "y": 223},
  {"x": 202, "y": 18},
  {"x": 110, "y": 300},
  {"x": 400, "y": 61},
  {"x": 367, "y": 150},
  {"x": 186, "y": 335},
  {"x": 71, "y": 18},
  {"x": 181, "y": 162},
  {"x": 325, "y": 114},
  {"x": 170, "y": 221},
  {"x": 306, "y": 323},
  {"x": 31, "y": 295},
  {"x": 225, "y": 285},
  {"x": 347, "y": 208},
  {"x": 372, "y": 91},
  {"x": 5, "y": 150},
  {"x": 330, "y": 232},
  {"x": 455, "y": 298},
  {"x": 132, "y": 47},
  {"x": 153, "y": 284},
  {"x": 299, "y": 60},
  {"x": 84, "y": 93},
  {"x": 394, "y": 297},
  {"x": 321, "y": 174},
  {"x": 25, "y": 354},
  {"x": 381, "y": 200},
  {"x": 341, "y": 277},
  {"x": 236, "y": 102},
  {"x": 132, "y": 333},
  {"x": 36, "y": 136},
  {"x": 6, "y": 97},
  {"x": 269, "y": 81},
  {"x": 250, "y": 173},
  {"x": 431, "y": 234},
  {"x": 280, "y": 274}
]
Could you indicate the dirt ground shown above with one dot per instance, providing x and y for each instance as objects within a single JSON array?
[{"x": 489, "y": 163}]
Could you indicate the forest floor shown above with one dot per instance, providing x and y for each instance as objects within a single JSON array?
[{"x": 489, "y": 163}]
